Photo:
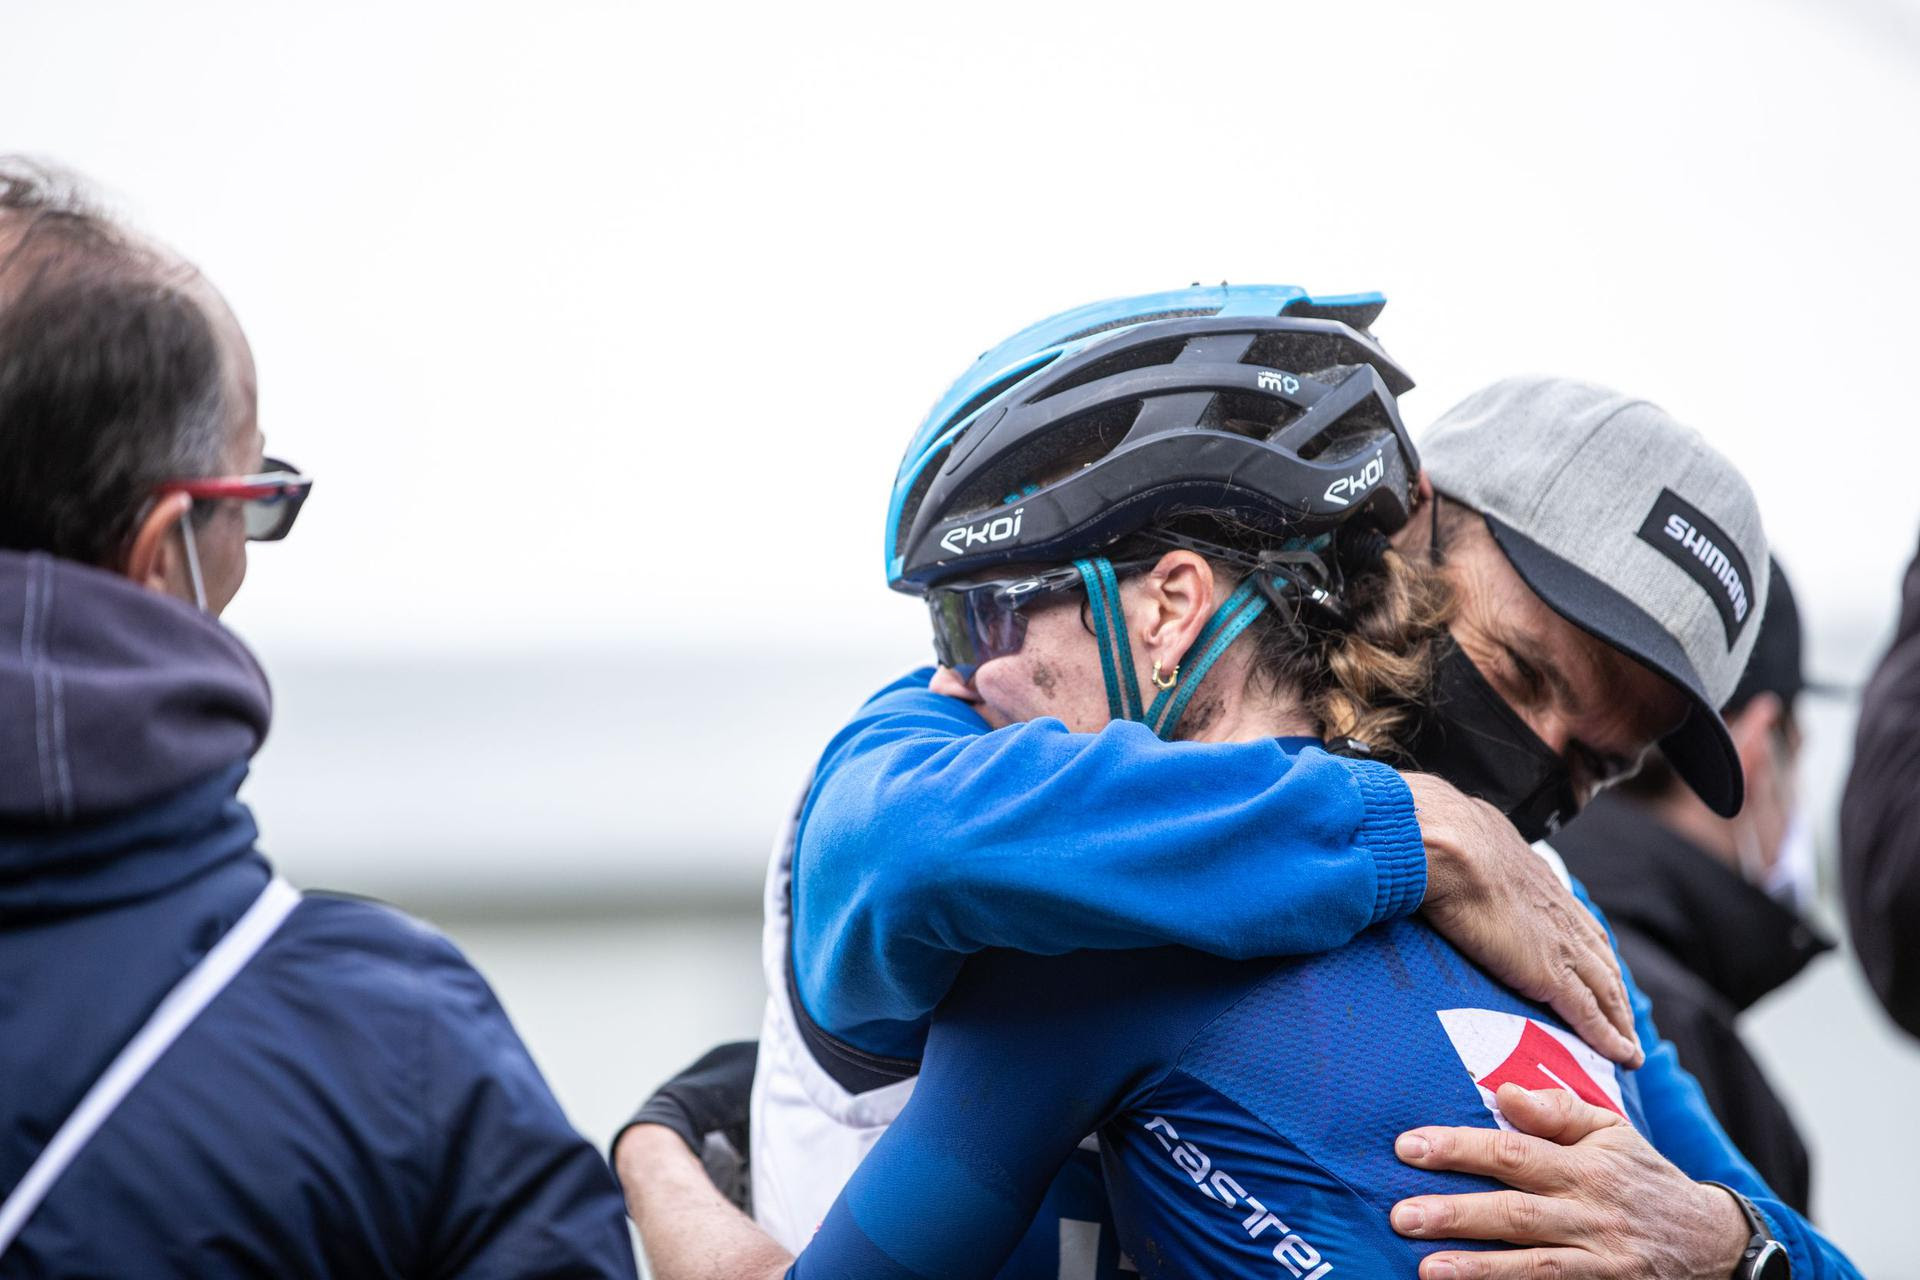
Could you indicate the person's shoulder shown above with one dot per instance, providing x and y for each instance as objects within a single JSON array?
[
  {"x": 328, "y": 919},
  {"x": 352, "y": 971},
  {"x": 375, "y": 953}
]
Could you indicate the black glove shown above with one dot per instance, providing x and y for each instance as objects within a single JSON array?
[{"x": 708, "y": 1106}]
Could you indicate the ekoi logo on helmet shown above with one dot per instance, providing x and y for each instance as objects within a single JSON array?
[
  {"x": 968, "y": 536},
  {"x": 1347, "y": 488},
  {"x": 1501, "y": 1048}
]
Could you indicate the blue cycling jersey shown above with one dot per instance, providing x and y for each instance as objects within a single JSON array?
[
  {"x": 1246, "y": 1110},
  {"x": 927, "y": 839}
]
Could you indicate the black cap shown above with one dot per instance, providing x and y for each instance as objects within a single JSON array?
[{"x": 1774, "y": 666}]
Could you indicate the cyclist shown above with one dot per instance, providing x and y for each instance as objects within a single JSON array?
[{"x": 1262, "y": 450}]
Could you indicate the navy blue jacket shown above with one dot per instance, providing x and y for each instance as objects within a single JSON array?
[{"x": 354, "y": 1104}]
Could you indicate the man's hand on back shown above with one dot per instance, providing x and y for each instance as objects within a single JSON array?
[
  {"x": 1591, "y": 1194},
  {"x": 1493, "y": 897}
]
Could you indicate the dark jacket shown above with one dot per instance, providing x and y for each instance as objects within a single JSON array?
[
  {"x": 1880, "y": 821},
  {"x": 1704, "y": 945},
  {"x": 354, "y": 1104}
]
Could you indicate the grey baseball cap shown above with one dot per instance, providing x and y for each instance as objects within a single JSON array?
[{"x": 1631, "y": 527}]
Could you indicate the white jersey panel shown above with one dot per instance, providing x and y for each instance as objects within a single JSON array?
[{"x": 809, "y": 1133}]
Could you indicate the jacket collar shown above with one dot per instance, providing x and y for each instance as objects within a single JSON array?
[
  {"x": 56, "y": 871},
  {"x": 112, "y": 696}
]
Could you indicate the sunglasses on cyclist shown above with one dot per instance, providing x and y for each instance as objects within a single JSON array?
[
  {"x": 269, "y": 501},
  {"x": 978, "y": 621}
]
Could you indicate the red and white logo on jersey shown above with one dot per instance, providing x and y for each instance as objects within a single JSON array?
[{"x": 1497, "y": 1048}]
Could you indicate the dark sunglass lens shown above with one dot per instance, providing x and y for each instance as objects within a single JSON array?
[
  {"x": 270, "y": 519},
  {"x": 999, "y": 625},
  {"x": 263, "y": 518},
  {"x": 952, "y": 641},
  {"x": 974, "y": 625}
]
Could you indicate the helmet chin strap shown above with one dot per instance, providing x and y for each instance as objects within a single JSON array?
[
  {"x": 1110, "y": 633},
  {"x": 1242, "y": 608}
]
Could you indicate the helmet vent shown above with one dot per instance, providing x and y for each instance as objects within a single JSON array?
[
  {"x": 918, "y": 494},
  {"x": 1358, "y": 426},
  {"x": 1303, "y": 352},
  {"x": 1145, "y": 356},
  {"x": 992, "y": 391},
  {"x": 1053, "y": 456},
  {"x": 1180, "y": 314},
  {"x": 1246, "y": 413}
]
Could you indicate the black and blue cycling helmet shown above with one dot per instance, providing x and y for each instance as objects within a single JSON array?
[{"x": 1259, "y": 401}]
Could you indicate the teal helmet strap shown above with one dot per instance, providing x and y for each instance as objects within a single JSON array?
[
  {"x": 1240, "y": 611},
  {"x": 1110, "y": 632}
]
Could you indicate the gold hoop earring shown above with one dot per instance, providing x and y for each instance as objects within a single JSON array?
[{"x": 1170, "y": 681}]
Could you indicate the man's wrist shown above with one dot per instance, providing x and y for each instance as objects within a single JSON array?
[
  {"x": 1434, "y": 806},
  {"x": 1730, "y": 1226}
]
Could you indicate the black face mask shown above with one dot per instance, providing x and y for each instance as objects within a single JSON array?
[{"x": 1473, "y": 739}]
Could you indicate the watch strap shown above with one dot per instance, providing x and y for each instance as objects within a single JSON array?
[{"x": 1764, "y": 1258}]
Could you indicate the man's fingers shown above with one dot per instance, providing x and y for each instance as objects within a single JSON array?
[
  {"x": 1553, "y": 1114},
  {"x": 1514, "y": 1264},
  {"x": 1575, "y": 996},
  {"x": 1600, "y": 973},
  {"x": 1513, "y": 1216},
  {"x": 1517, "y": 1159}
]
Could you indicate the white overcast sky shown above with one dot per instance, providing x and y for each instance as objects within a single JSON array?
[{"x": 604, "y": 325}]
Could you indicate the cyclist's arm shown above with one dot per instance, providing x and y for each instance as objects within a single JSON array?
[
  {"x": 1028, "y": 1056},
  {"x": 926, "y": 838},
  {"x": 1683, "y": 1129},
  {"x": 1023, "y": 1061},
  {"x": 1583, "y": 1219}
]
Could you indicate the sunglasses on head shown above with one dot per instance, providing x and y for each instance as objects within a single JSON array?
[
  {"x": 269, "y": 501},
  {"x": 977, "y": 621}
]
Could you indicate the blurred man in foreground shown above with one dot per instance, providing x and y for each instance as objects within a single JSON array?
[
  {"x": 201, "y": 1073},
  {"x": 1880, "y": 821},
  {"x": 1707, "y": 910}
]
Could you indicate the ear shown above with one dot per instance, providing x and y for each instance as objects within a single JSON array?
[
  {"x": 1422, "y": 491},
  {"x": 153, "y": 560},
  {"x": 1415, "y": 535},
  {"x": 1175, "y": 599},
  {"x": 1753, "y": 729}
]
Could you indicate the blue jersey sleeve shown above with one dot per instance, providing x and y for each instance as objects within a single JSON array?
[
  {"x": 925, "y": 837},
  {"x": 1027, "y": 1057},
  {"x": 1682, "y": 1128}
]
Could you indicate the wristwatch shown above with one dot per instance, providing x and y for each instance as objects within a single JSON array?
[{"x": 1764, "y": 1258}]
